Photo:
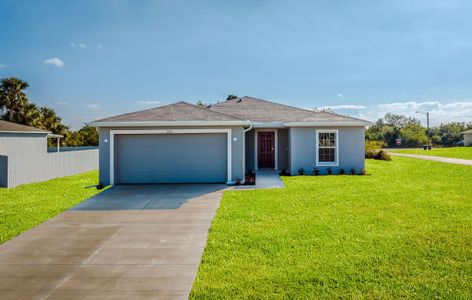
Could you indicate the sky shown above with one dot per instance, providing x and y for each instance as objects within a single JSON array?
[{"x": 93, "y": 59}]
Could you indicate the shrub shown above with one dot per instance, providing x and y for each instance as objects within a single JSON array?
[
  {"x": 374, "y": 145},
  {"x": 378, "y": 154},
  {"x": 284, "y": 172},
  {"x": 364, "y": 172},
  {"x": 341, "y": 171},
  {"x": 301, "y": 171},
  {"x": 373, "y": 149},
  {"x": 316, "y": 172},
  {"x": 329, "y": 171},
  {"x": 353, "y": 171}
]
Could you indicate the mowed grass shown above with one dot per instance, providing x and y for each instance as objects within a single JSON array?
[
  {"x": 456, "y": 152},
  {"x": 404, "y": 230},
  {"x": 26, "y": 206}
]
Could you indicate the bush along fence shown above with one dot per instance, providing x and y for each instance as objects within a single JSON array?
[{"x": 27, "y": 168}]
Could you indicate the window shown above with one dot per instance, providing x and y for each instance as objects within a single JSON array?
[{"x": 326, "y": 147}]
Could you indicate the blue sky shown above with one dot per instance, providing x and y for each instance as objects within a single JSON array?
[{"x": 91, "y": 59}]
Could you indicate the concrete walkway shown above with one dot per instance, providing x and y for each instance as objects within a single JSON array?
[
  {"x": 268, "y": 179},
  {"x": 448, "y": 160},
  {"x": 112, "y": 254}
]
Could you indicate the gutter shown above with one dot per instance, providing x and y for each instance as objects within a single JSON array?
[
  {"x": 168, "y": 123},
  {"x": 244, "y": 152},
  {"x": 327, "y": 124}
]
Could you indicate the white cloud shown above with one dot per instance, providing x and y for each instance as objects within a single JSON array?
[
  {"x": 341, "y": 96},
  {"x": 99, "y": 46},
  {"x": 94, "y": 106},
  {"x": 78, "y": 45},
  {"x": 55, "y": 61},
  {"x": 62, "y": 103},
  {"x": 344, "y": 106},
  {"x": 150, "y": 102},
  {"x": 2, "y": 66}
]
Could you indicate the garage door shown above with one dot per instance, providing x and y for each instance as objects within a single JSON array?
[{"x": 171, "y": 158}]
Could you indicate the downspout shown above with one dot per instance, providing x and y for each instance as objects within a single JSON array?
[{"x": 244, "y": 152}]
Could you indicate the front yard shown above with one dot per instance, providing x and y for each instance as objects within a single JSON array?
[
  {"x": 456, "y": 152},
  {"x": 405, "y": 230},
  {"x": 26, "y": 206}
]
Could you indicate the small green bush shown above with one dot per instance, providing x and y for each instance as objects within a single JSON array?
[
  {"x": 374, "y": 145},
  {"x": 301, "y": 171},
  {"x": 353, "y": 171},
  {"x": 378, "y": 154},
  {"x": 329, "y": 171},
  {"x": 341, "y": 171},
  {"x": 316, "y": 172}
]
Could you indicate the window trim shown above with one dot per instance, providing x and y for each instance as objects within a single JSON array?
[{"x": 336, "y": 147}]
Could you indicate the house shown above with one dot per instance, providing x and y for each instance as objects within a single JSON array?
[
  {"x": 20, "y": 139},
  {"x": 183, "y": 143},
  {"x": 468, "y": 137},
  {"x": 24, "y": 156}
]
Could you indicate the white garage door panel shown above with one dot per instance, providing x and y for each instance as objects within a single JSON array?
[{"x": 171, "y": 158}]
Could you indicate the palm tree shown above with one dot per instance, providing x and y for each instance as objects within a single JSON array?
[
  {"x": 12, "y": 96},
  {"x": 31, "y": 116}
]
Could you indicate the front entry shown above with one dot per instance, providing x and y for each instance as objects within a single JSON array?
[{"x": 266, "y": 149}]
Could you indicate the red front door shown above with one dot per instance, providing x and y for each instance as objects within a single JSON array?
[{"x": 266, "y": 149}]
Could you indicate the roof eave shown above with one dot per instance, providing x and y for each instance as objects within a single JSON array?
[
  {"x": 329, "y": 123},
  {"x": 268, "y": 124},
  {"x": 168, "y": 123},
  {"x": 26, "y": 132}
]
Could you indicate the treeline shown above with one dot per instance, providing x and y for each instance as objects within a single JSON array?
[
  {"x": 17, "y": 108},
  {"x": 412, "y": 134}
]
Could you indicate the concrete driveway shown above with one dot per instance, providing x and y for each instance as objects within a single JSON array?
[{"x": 129, "y": 242}]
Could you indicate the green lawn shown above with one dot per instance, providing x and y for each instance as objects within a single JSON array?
[
  {"x": 405, "y": 230},
  {"x": 26, "y": 206},
  {"x": 456, "y": 152}
]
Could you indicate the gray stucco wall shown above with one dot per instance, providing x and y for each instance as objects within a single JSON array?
[
  {"x": 104, "y": 150},
  {"x": 467, "y": 139},
  {"x": 303, "y": 149},
  {"x": 282, "y": 148},
  {"x": 21, "y": 143},
  {"x": 250, "y": 151}
]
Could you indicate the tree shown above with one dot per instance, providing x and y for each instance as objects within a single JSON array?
[
  {"x": 413, "y": 135},
  {"x": 231, "y": 97},
  {"x": 12, "y": 96},
  {"x": 88, "y": 136},
  {"x": 399, "y": 120},
  {"x": 200, "y": 103},
  {"x": 448, "y": 134}
]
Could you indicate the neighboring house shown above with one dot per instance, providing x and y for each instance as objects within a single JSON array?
[
  {"x": 24, "y": 157},
  {"x": 468, "y": 137},
  {"x": 20, "y": 139},
  {"x": 180, "y": 142}
]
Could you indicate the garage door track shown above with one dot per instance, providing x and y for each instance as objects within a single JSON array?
[{"x": 129, "y": 242}]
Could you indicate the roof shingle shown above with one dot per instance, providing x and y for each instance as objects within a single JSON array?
[
  {"x": 259, "y": 110},
  {"x": 6, "y": 126},
  {"x": 180, "y": 111}
]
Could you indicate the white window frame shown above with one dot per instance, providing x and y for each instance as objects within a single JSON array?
[
  {"x": 336, "y": 148},
  {"x": 168, "y": 131}
]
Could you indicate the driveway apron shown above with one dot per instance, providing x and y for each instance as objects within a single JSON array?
[{"x": 129, "y": 242}]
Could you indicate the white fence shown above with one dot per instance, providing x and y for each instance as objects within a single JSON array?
[{"x": 28, "y": 168}]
